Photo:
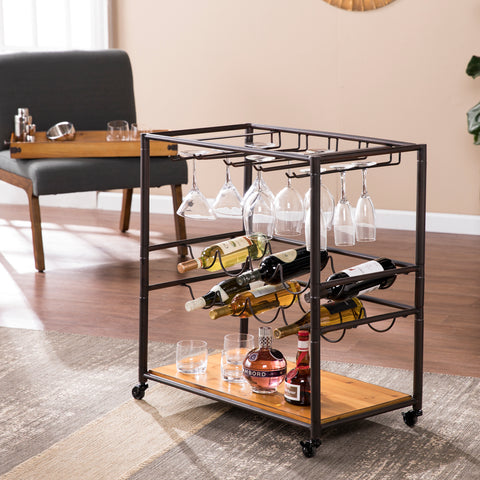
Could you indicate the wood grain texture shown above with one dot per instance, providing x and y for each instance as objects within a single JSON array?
[
  {"x": 91, "y": 143},
  {"x": 341, "y": 396},
  {"x": 92, "y": 287}
]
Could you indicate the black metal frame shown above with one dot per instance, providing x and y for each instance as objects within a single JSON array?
[{"x": 282, "y": 159}]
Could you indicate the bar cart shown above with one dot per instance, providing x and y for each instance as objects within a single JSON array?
[{"x": 293, "y": 150}]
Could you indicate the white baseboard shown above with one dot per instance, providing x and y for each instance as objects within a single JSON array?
[{"x": 390, "y": 219}]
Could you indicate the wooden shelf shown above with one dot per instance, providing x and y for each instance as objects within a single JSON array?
[
  {"x": 91, "y": 143},
  {"x": 341, "y": 396}
]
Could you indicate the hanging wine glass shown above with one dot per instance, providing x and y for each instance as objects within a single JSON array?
[
  {"x": 259, "y": 181},
  {"x": 343, "y": 223},
  {"x": 259, "y": 209},
  {"x": 228, "y": 202},
  {"x": 365, "y": 226},
  {"x": 323, "y": 230},
  {"x": 195, "y": 205},
  {"x": 289, "y": 210},
  {"x": 327, "y": 205}
]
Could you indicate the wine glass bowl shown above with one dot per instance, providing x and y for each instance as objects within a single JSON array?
[
  {"x": 195, "y": 205},
  {"x": 365, "y": 224},
  {"x": 259, "y": 214},
  {"x": 343, "y": 222},
  {"x": 289, "y": 212},
  {"x": 228, "y": 202}
]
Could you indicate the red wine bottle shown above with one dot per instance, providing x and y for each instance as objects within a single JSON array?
[
  {"x": 340, "y": 292},
  {"x": 282, "y": 266}
]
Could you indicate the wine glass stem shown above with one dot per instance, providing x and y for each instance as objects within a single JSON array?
[
  {"x": 194, "y": 175},
  {"x": 227, "y": 174},
  {"x": 343, "y": 193},
  {"x": 364, "y": 182}
]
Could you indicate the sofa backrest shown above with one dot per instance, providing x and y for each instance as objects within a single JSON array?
[{"x": 87, "y": 88}]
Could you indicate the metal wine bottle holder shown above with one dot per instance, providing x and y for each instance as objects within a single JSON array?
[{"x": 292, "y": 150}]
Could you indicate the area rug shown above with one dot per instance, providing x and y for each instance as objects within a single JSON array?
[{"x": 66, "y": 413}]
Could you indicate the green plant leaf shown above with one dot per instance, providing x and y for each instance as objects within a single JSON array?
[
  {"x": 473, "y": 118},
  {"x": 473, "y": 67}
]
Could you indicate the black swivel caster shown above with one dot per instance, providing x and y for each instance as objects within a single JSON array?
[
  {"x": 138, "y": 391},
  {"x": 310, "y": 447},
  {"x": 410, "y": 417}
]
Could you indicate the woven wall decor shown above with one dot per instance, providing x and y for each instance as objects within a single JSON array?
[{"x": 358, "y": 5}]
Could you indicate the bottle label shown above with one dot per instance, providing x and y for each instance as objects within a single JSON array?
[
  {"x": 234, "y": 244},
  {"x": 303, "y": 346},
  {"x": 266, "y": 290},
  {"x": 368, "y": 267},
  {"x": 221, "y": 292},
  {"x": 264, "y": 373},
  {"x": 292, "y": 392},
  {"x": 286, "y": 256}
]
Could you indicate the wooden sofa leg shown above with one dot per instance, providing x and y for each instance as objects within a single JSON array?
[
  {"x": 36, "y": 222},
  {"x": 180, "y": 229},
  {"x": 126, "y": 209}
]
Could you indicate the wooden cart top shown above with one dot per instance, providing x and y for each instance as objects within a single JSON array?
[{"x": 87, "y": 143}]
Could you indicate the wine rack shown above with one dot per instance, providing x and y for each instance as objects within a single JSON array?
[{"x": 291, "y": 150}]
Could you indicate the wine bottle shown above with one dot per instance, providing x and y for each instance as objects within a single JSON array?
[
  {"x": 283, "y": 265},
  {"x": 259, "y": 300},
  {"x": 297, "y": 381},
  {"x": 231, "y": 252},
  {"x": 220, "y": 294},
  {"x": 330, "y": 314},
  {"x": 340, "y": 292},
  {"x": 264, "y": 367},
  {"x": 292, "y": 263}
]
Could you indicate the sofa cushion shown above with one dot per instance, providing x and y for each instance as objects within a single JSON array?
[{"x": 68, "y": 175}]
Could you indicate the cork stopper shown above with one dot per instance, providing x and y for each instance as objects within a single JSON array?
[
  {"x": 188, "y": 265},
  {"x": 195, "y": 304}
]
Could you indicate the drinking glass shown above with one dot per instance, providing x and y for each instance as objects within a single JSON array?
[
  {"x": 289, "y": 211},
  {"x": 195, "y": 205},
  {"x": 117, "y": 131},
  {"x": 192, "y": 356},
  {"x": 235, "y": 348},
  {"x": 259, "y": 213},
  {"x": 365, "y": 226},
  {"x": 343, "y": 223},
  {"x": 228, "y": 202}
]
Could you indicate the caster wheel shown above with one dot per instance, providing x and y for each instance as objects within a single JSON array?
[
  {"x": 410, "y": 417},
  {"x": 138, "y": 392},
  {"x": 310, "y": 447}
]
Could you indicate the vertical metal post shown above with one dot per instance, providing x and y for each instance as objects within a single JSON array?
[
  {"x": 144, "y": 255},
  {"x": 419, "y": 278},
  {"x": 247, "y": 170},
  {"x": 315, "y": 288}
]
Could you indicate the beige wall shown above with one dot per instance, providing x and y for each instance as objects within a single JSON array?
[{"x": 397, "y": 72}]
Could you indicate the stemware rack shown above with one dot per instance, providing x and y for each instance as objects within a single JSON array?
[{"x": 296, "y": 151}]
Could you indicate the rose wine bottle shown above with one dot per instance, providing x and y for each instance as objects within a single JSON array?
[
  {"x": 259, "y": 300},
  {"x": 330, "y": 314},
  {"x": 264, "y": 367},
  {"x": 231, "y": 252},
  {"x": 283, "y": 265},
  {"x": 297, "y": 382}
]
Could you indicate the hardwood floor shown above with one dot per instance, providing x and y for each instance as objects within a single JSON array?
[{"x": 91, "y": 286}]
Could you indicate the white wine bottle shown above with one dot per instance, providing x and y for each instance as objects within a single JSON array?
[
  {"x": 259, "y": 300},
  {"x": 231, "y": 252},
  {"x": 330, "y": 314},
  {"x": 220, "y": 294}
]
